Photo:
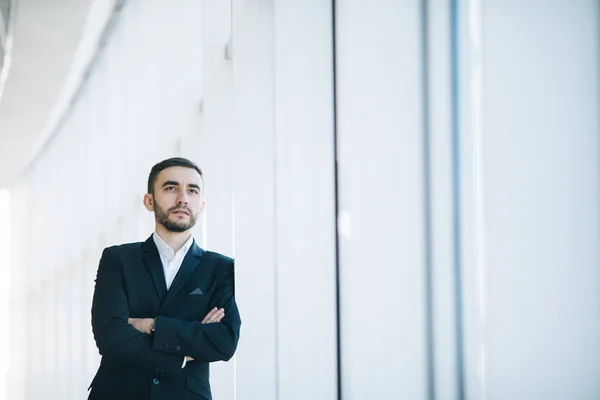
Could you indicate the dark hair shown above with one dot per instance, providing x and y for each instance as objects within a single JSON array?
[{"x": 170, "y": 162}]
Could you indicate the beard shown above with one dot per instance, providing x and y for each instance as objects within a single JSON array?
[{"x": 162, "y": 217}]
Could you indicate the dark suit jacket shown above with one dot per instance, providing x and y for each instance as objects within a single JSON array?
[{"x": 130, "y": 284}]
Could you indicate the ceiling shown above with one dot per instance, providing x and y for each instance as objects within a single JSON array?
[{"x": 45, "y": 36}]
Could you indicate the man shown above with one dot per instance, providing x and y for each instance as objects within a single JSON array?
[{"x": 165, "y": 308}]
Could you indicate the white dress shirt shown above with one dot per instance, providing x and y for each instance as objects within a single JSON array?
[{"x": 171, "y": 261}]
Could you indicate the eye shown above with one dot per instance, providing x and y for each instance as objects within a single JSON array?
[
  {"x": 193, "y": 191},
  {"x": 170, "y": 188}
]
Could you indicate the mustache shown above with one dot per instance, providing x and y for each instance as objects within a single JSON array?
[{"x": 185, "y": 209}]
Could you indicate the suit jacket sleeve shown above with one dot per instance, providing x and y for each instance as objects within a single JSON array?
[
  {"x": 207, "y": 342},
  {"x": 115, "y": 338}
]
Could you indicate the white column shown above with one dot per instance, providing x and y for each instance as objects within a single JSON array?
[
  {"x": 305, "y": 234},
  {"x": 531, "y": 163},
  {"x": 212, "y": 148},
  {"x": 254, "y": 152},
  {"x": 381, "y": 200},
  {"x": 5, "y": 290}
]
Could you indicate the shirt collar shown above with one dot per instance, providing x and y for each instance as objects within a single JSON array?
[{"x": 165, "y": 250}]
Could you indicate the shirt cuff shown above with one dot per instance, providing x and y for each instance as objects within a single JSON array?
[{"x": 184, "y": 362}]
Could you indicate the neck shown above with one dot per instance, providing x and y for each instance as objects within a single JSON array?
[{"x": 175, "y": 240}]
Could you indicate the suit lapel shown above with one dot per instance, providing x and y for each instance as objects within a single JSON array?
[
  {"x": 152, "y": 260},
  {"x": 189, "y": 265}
]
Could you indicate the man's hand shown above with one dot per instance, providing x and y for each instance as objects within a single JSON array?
[
  {"x": 214, "y": 315},
  {"x": 143, "y": 325}
]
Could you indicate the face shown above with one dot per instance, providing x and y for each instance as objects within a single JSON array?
[{"x": 177, "y": 199}]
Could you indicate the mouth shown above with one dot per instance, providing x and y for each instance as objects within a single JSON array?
[{"x": 180, "y": 212}]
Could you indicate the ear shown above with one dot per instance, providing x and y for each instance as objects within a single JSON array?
[
  {"x": 202, "y": 206},
  {"x": 149, "y": 202}
]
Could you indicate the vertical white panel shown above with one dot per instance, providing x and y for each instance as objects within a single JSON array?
[
  {"x": 217, "y": 136},
  {"x": 5, "y": 289},
  {"x": 215, "y": 151},
  {"x": 305, "y": 200},
  {"x": 254, "y": 152},
  {"x": 19, "y": 304},
  {"x": 542, "y": 167},
  {"x": 382, "y": 269},
  {"x": 75, "y": 323},
  {"x": 46, "y": 297},
  {"x": 535, "y": 218}
]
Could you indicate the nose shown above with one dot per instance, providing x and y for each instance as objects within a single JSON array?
[{"x": 182, "y": 198}]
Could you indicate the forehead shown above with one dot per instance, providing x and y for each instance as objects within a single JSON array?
[{"x": 183, "y": 175}]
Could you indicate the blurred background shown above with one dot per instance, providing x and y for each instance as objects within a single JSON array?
[{"x": 411, "y": 188}]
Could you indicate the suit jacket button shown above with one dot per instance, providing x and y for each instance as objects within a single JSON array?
[
  {"x": 155, "y": 381},
  {"x": 166, "y": 347},
  {"x": 177, "y": 348}
]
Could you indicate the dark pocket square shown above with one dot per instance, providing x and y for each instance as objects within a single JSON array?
[{"x": 197, "y": 291}]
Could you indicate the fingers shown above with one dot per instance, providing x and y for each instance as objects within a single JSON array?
[
  {"x": 220, "y": 316},
  {"x": 209, "y": 315},
  {"x": 214, "y": 315}
]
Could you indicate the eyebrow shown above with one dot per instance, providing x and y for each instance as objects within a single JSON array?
[
  {"x": 175, "y": 183},
  {"x": 170, "y": 183}
]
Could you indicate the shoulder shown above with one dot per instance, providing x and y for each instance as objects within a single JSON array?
[
  {"x": 220, "y": 261},
  {"x": 218, "y": 258},
  {"x": 126, "y": 249},
  {"x": 119, "y": 254}
]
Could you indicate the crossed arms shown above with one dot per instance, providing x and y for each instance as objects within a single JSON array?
[
  {"x": 146, "y": 325},
  {"x": 127, "y": 340}
]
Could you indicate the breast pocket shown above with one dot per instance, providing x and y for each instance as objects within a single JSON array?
[{"x": 196, "y": 304}]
